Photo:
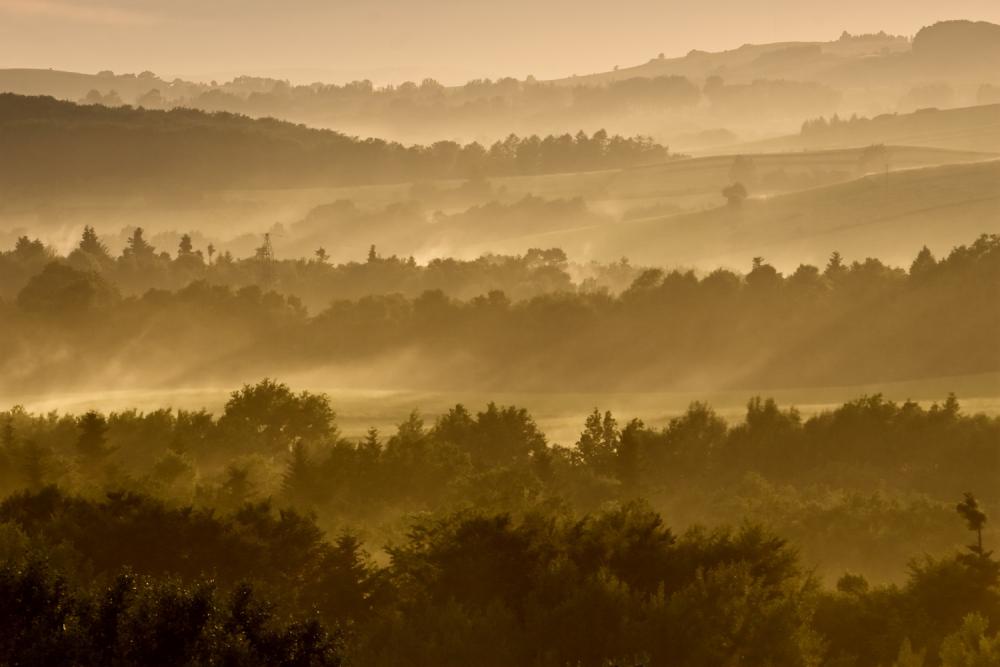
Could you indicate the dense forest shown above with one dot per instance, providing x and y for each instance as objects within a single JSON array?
[
  {"x": 845, "y": 323},
  {"x": 264, "y": 537},
  {"x": 52, "y": 146}
]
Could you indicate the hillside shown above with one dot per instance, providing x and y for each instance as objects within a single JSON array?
[
  {"x": 52, "y": 146},
  {"x": 889, "y": 218},
  {"x": 701, "y": 100},
  {"x": 434, "y": 219},
  {"x": 794, "y": 60},
  {"x": 971, "y": 128},
  {"x": 957, "y": 51}
]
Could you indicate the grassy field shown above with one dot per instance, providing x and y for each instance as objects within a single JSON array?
[
  {"x": 699, "y": 179},
  {"x": 888, "y": 217}
]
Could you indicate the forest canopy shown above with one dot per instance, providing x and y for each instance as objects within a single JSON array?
[{"x": 169, "y": 537}]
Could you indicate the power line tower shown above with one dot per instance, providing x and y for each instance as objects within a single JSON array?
[{"x": 265, "y": 262}]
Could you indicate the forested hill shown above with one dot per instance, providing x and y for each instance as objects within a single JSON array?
[{"x": 52, "y": 146}]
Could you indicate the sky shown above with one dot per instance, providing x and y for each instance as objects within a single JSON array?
[{"x": 451, "y": 40}]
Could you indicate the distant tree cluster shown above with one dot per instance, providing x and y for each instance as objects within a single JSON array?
[
  {"x": 900, "y": 128},
  {"x": 314, "y": 279}
]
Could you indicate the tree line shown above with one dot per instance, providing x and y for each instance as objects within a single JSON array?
[
  {"x": 855, "y": 487},
  {"x": 298, "y": 260},
  {"x": 845, "y": 323},
  {"x": 480, "y": 106}
]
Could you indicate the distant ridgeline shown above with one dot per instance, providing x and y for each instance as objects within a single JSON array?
[
  {"x": 786, "y": 80},
  {"x": 51, "y": 146}
]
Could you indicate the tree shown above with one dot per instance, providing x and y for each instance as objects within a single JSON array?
[
  {"x": 971, "y": 646},
  {"x": 835, "y": 268},
  {"x": 34, "y": 464},
  {"x": 974, "y": 517},
  {"x": 599, "y": 442},
  {"x": 629, "y": 456},
  {"x": 298, "y": 481},
  {"x": 92, "y": 444},
  {"x": 269, "y": 417},
  {"x": 735, "y": 194},
  {"x": 211, "y": 251},
  {"x": 321, "y": 255},
  {"x": 137, "y": 246},
  {"x": 152, "y": 99},
  {"x": 91, "y": 244},
  {"x": 185, "y": 247},
  {"x": 8, "y": 437},
  {"x": 763, "y": 276},
  {"x": 61, "y": 291},
  {"x": 371, "y": 441},
  {"x": 93, "y": 96},
  {"x": 923, "y": 263}
]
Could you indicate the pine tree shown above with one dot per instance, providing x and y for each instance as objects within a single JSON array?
[
  {"x": 137, "y": 245},
  {"x": 298, "y": 481},
  {"x": 91, "y": 244},
  {"x": 185, "y": 247},
  {"x": 92, "y": 443}
]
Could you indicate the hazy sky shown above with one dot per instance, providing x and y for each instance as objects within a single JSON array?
[{"x": 452, "y": 40}]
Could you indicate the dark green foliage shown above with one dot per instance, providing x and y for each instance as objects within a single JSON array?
[
  {"x": 612, "y": 588},
  {"x": 868, "y": 626},
  {"x": 268, "y": 417},
  {"x": 60, "y": 291},
  {"x": 501, "y": 558},
  {"x": 47, "y": 620}
]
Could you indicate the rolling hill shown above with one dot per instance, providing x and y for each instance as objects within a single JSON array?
[
  {"x": 974, "y": 128},
  {"x": 875, "y": 216}
]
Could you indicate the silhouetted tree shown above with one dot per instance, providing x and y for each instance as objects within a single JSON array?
[
  {"x": 735, "y": 194},
  {"x": 974, "y": 517},
  {"x": 92, "y": 444}
]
